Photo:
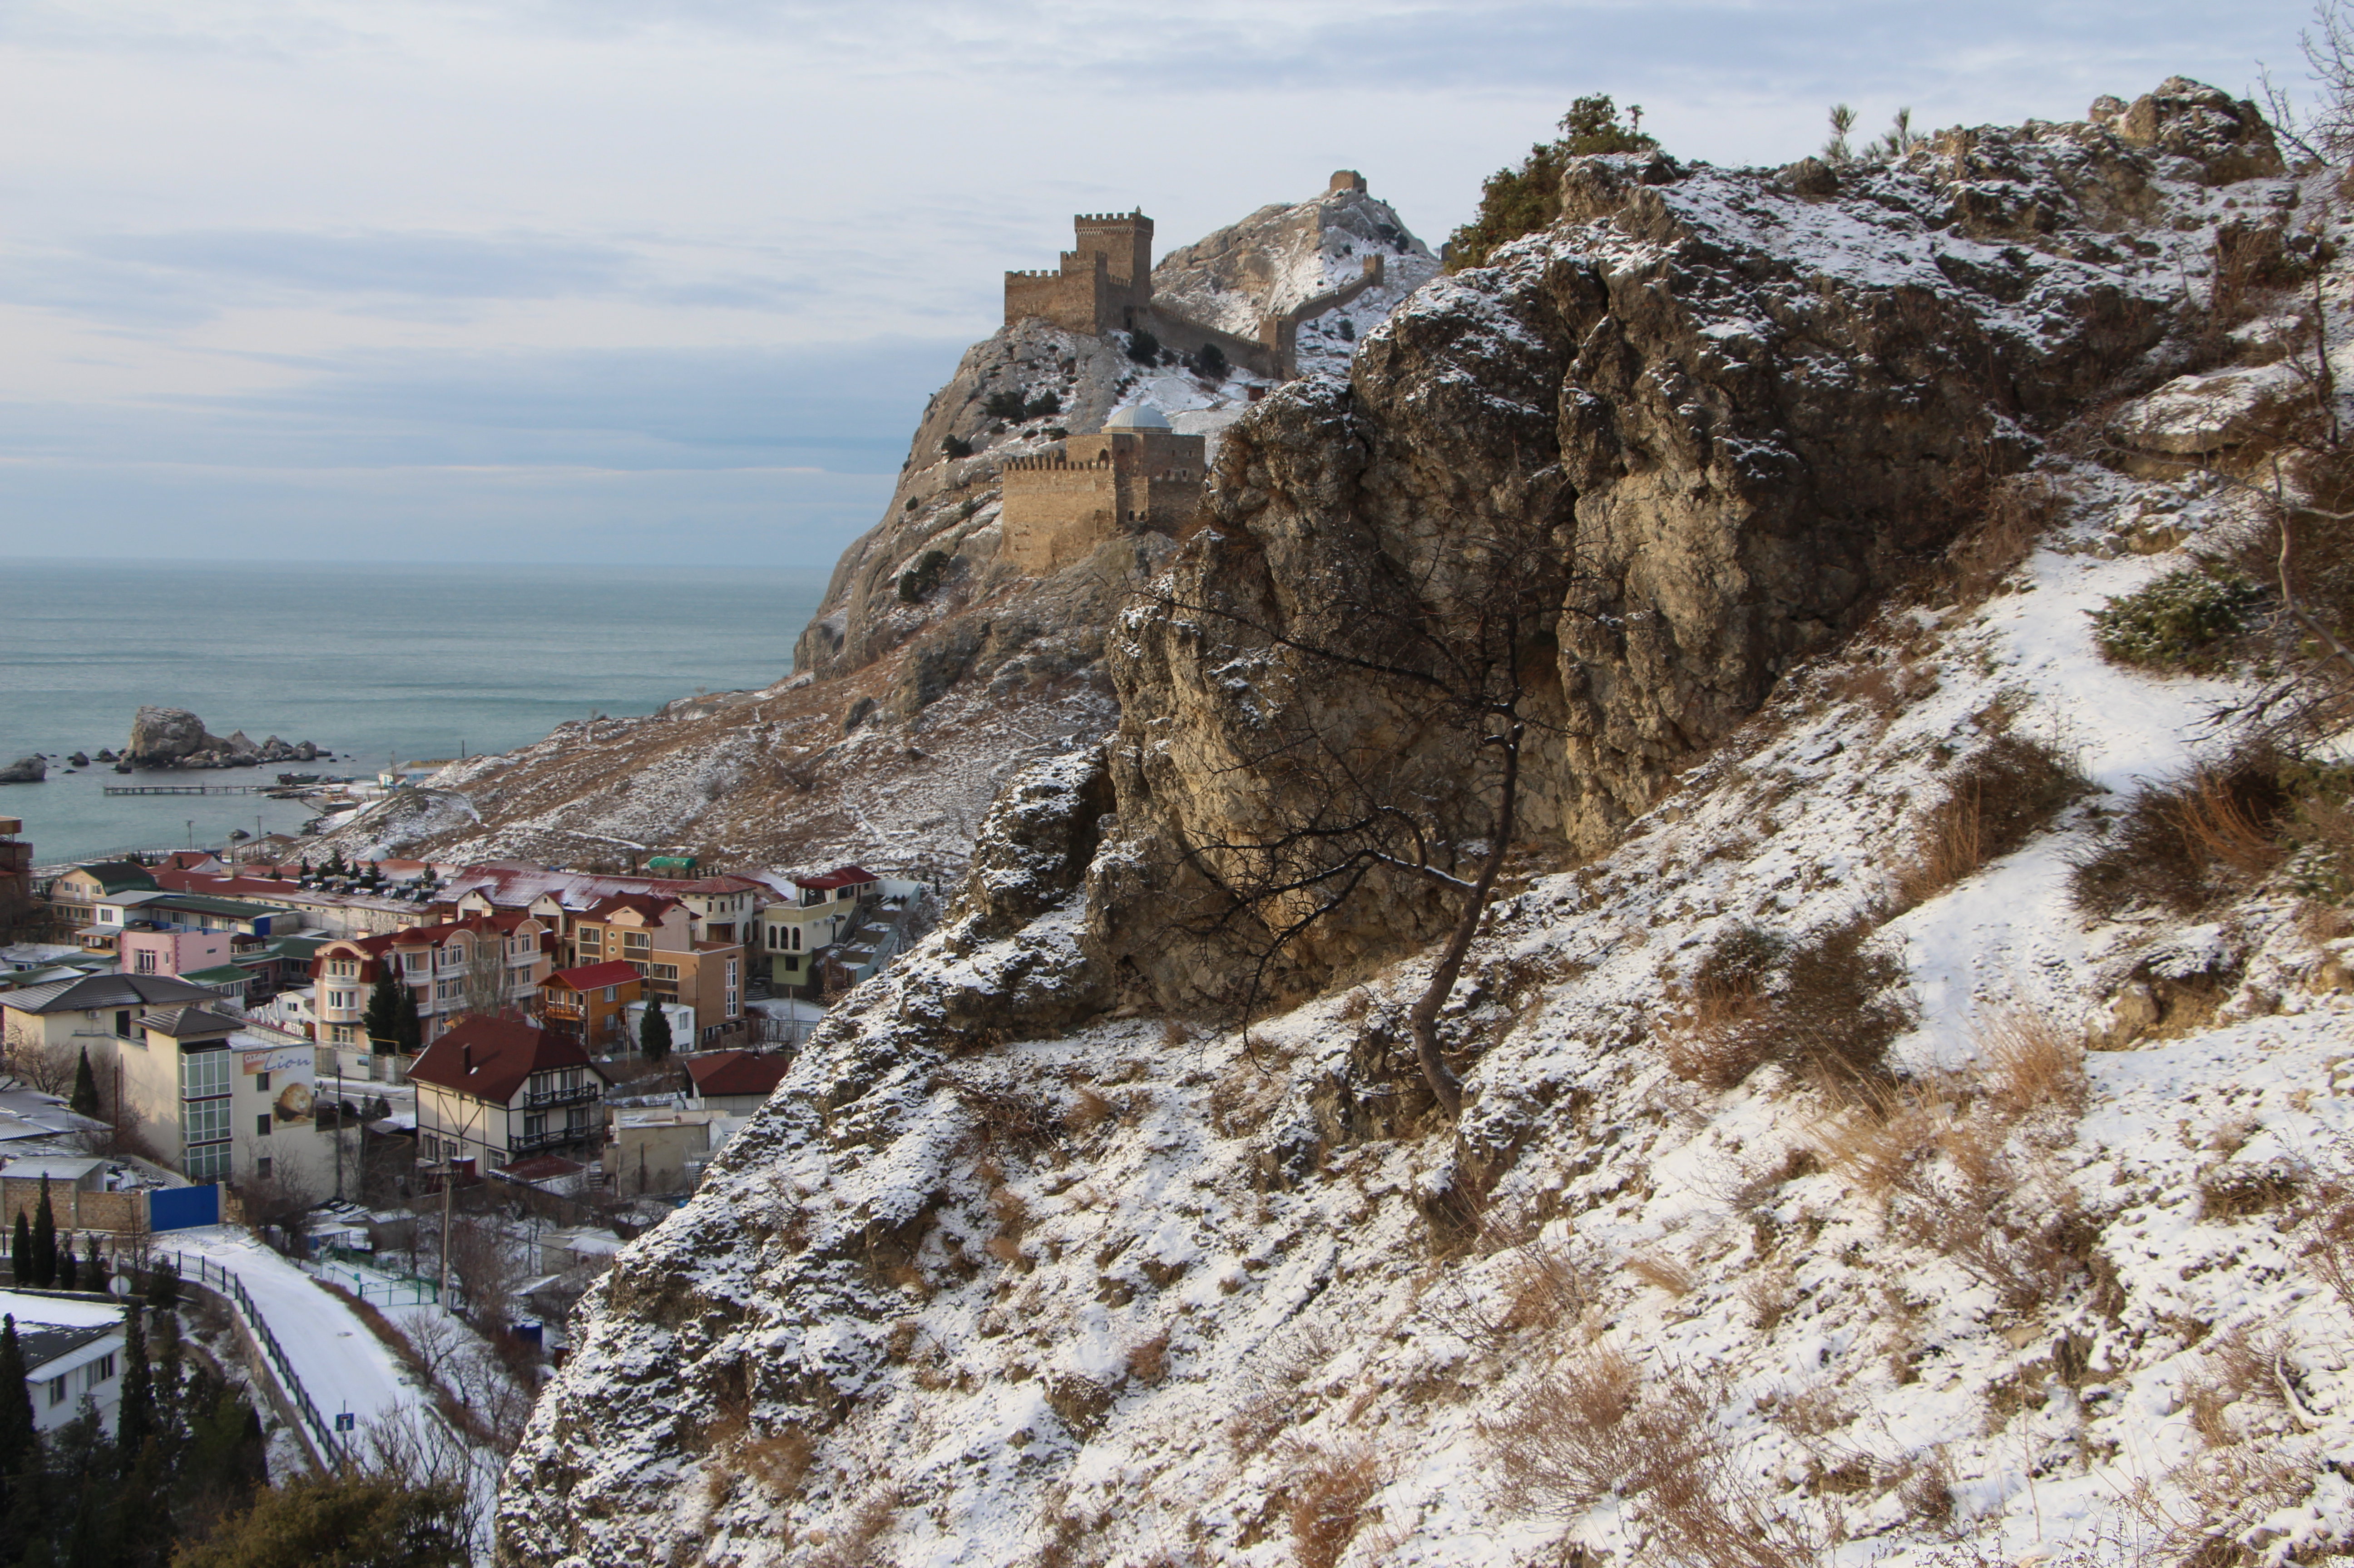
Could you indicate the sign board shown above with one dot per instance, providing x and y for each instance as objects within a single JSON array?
[
  {"x": 344, "y": 1421},
  {"x": 283, "y": 1059}
]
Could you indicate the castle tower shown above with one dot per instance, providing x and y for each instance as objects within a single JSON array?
[{"x": 1124, "y": 239}]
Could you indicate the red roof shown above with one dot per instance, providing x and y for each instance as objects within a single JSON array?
[
  {"x": 736, "y": 1073},
  {"x": 653, "y": 905},
  {"x": 726, "y": 882},
  {"x": 589, "y": 977},
  {"x": 840, "y": 876},
  {"x": 490, "y": 1058}
]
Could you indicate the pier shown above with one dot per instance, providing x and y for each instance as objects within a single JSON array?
[{"x": 193, "y": 788}]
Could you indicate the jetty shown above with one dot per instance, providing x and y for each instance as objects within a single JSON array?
[{"x": 193, "y": 788}]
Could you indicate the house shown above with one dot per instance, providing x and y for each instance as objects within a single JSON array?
[
  {"x": 481, "y": 964},
  {"x": 821, "y": 911},
  {"x": 591, "y": 1003},
  {"x": 16, "y": 873},
  {"x": 220, "y": 1103},
  {"x": 662, "y": 1152},
  {"x": 85, "y": 1194},
  {"x": 96, "y": 1010},
  {"x": 339, "y": 911},
  {"x": 738, "y": 1082},
  {"x": 656, "y": 935},
  {"x": 73, "y": 1352},
  {"x": 74, "y": 896},
  {"x": 491, "y": 1091}
]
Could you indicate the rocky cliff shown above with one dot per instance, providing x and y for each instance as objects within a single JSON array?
[
  {"x": 931, "y": 665},
  {"x": 1788, "y": 1220}
]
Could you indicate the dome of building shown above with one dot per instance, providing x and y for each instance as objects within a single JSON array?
[{"x": 1137, "y": 416}]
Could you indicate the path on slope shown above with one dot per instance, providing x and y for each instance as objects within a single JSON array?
[{"x": 342, "y": 1365}]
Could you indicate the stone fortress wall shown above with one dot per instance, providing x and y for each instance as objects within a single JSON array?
[{"x": 1135, "y": 475}]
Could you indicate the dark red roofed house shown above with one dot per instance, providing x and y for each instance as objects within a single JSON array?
[
  {"x": 737, "y": 1081},
  {"x": 591, "y": 1004},
  {"x": 493, "y": 1091}
]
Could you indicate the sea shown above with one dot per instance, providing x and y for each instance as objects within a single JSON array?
[{"x": 375, "y": 662}]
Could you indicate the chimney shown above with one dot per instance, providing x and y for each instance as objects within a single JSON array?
[{"x": 466, "y": 1053}]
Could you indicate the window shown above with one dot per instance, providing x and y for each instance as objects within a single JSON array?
[
  {"x": 209, "y": 1163},
  {"x": 204, "y": 1112},
  {"x": 339, "y": 1033},
  {"x": 101, "y": 1369},
  {"x": 414, "y": 962},
  {"x": 612, "y": 993},
  {"x": 261, "y": 1083},
  {"x": 636, "y": 941},
  {"x": 146, "y": 965},
  {"x": 261, "y": 1124},
  {"x": 261, "y": 1168},
  {"x": 56, "y": 1391},
  {"x": 590, "y": 937},
  {"x": 532, "y": 1126},
  {"x": 665, "y": 972}
]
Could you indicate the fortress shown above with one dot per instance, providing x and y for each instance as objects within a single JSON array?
[
  {"x": 1137, "y": 475},
  {"x": 1105, "y": 285}
]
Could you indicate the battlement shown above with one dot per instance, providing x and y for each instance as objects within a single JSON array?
[{"x": 1058, "y": 507}]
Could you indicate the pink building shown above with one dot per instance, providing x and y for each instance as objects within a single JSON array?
[{"x": 171, "y": 952}]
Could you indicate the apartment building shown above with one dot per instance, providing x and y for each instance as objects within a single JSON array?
[
  {"x": 493, "y": 1091},
  {"x": 481, "y": 964}
]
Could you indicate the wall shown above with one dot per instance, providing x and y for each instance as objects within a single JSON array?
[{"x": 71, "y": 1208}]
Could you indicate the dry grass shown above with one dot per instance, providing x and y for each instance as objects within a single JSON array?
[
  {"x": 778, "y": 1461},
  {"x": 2235, "y": 1368},
  {"x": 2182, "y": 844},
  {"x": 1767, "y": 1293},
  {"x": 1592, "y": 1429},
  {"x": 1542, "y": 1288},
  {"x": 1826, "y": 1011},
  {"x": 1658, "y": 1269},
  {"x": 2029, "y": 1061},
  {"x": 852, "y": 1545},
  {"x": 2006, "y": 793},
  {"x": 1330, "y": 1494},
  {"x": 1148, "y": 1363},
  {"x": 1088, "y": 1110},
  {"x": 2019, "y": 509}
]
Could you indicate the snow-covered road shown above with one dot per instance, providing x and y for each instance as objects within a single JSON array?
[{"x": 342, "y": 1365}]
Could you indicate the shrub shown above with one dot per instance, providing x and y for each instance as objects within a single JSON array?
[
  {"x": 1514, "y": 202},
  {"x": 1044, "y": 404},
  {"x": 955, "y": 447},
  {"x": 1142, "y": 346},
  {"x": 1348, "y": 330},
  {"x": 1826, "y": 1013},
  {"x": 1210, "y": 365},
  {"x": 2184, "y": 842},
  {"x": 917, "y": 582},
  {"x": 2003, "y": 795},
  {"x": 1328, "y": 1504},
  {"x": 1005, "y": 405},
  {"x": 2178, "y": 621},
  {"x": 2018, "y": 511}
]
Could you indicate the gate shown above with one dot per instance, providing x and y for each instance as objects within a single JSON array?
[{"x": 179, "y": 1208}]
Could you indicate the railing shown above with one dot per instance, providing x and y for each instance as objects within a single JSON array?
[
  {"x": 561, "y": 1097},
  {"x": 210, "y": 1274},
  {"x": 386, "y": 1291},
  {"x": 530, "y": 1142}
]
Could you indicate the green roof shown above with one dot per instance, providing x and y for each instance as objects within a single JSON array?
[
  {"x": 116, "y": 875},
  {"x": 221, "y": 974},
  {"x": 206, "y": 903}
]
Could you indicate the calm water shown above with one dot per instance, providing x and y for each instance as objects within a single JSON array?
[{"x": 368, "y": 661}]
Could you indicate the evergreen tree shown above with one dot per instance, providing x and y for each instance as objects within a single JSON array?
[
  {"x": 163, "y": 1286},
  {"x": 135, "y": 1422},
  {"x": 408, "y": 1029},
  {"x": 94, "y": 1270},
  {"x": 382, "y": 1020},
  {"x": 653, "y": 1032},
  {"x": 85, "y": 1090},
  {"x": 45, "y": 1240},
  {"x": 16, "y": 1444},
  {"x": 69, "y": 1272},
  {"x": 375, "y": 1519},
  {"x": 20, "y": 1257}
]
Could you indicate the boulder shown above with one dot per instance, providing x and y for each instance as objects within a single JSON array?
[
  {"x": 2193, "y": 415},
  {"x": 168, "y": 738},
  {"x": 2226, "y": 137},
  {"x": 79, "y": 760},
  {"x": 24, "y": 770},
  {"x": 106, "y": 757}
]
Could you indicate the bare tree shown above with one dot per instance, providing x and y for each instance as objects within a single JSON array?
[
  {"x": 1460, "y": 646},
  {"x": 483, "y": 990},
  {"x": 40, "y": 1065},
  {"x": 479, "y": 1256}
]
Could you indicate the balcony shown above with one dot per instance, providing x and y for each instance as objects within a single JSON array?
[
  {"x": 581, "y": 1095},
  {"x": 525, "y": 1143}
]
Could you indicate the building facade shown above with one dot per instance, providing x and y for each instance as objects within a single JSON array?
[{"x": 493, "y": 1091}]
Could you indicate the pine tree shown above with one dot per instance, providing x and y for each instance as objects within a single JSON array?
[
  {"x": 134, "y": 1423},
  {"x": 409, "y": 1029},
  {"x": 68, "y": 1271},
  {"x": 20, "y": 1259},
  {"x": 45, "y": 1240},
  {"x": 382, "y": 1020},
  {"x": 163, "y": 1286},
  {"x": 653, "y": 1032},
  {"x": 94, "y": 1270},
  {"x": 85, "y": 1090}
]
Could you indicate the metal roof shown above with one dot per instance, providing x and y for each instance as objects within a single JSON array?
[{"x": 100, "y": 991}]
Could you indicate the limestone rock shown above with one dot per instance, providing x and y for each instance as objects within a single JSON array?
[
  {"x": 167, "y": 737},
  {"x": 2226, "y": 137},
  {"x": 2193, "y": 415},
  {"x": 79, "y": 760},
  {"x": 24, "y": 770}
]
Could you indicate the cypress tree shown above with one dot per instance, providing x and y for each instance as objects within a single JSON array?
[
  {"x": 382, "y": 1020},
  {"x": 69, "y": 1272},
  {"x": 409, "y": 1030},
  {"x": 85, "y": 1090},
  {"x": 163, "y": 1286},
  {"x": 45, "y": 1240},
  {"x": 20, "y": 1257},
  {"x": 653, "y": 1032},
  {"x": 16, "y": 1446},
  {"x": 135, "y": 1422}
]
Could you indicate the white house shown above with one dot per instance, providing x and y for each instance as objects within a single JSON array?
[{"x": 73, "y": 1352}]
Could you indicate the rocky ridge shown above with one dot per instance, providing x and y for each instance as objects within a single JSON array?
[
  {"x": 174, "y": 737},
  {"x": 1015, "y": 1268}
]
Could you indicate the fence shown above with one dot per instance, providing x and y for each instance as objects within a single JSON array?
[
  {"x": 370, "y": 1281},
  {"x": 213, "y": 1277}
]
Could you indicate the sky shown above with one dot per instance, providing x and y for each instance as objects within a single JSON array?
[{"x": 510, "y": 280}]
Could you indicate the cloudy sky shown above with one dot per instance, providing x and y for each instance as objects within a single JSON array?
[{"x": 615, "y": 282}]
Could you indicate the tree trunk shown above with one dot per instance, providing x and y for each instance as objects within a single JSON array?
[{"x": 1425, "y": 1016}]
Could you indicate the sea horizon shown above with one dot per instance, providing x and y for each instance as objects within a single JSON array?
[{"x": 376, "y": 662}]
